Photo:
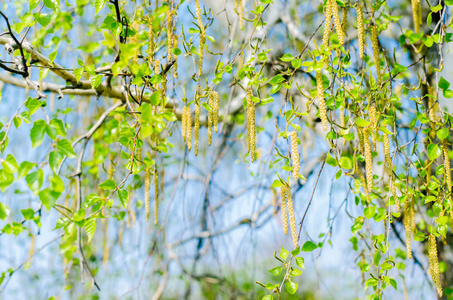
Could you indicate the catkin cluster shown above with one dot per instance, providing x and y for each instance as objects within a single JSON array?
[
  {"x": 147, "y": 187},
  {"x": 188, "y": 119},
  {"x": 344, "y": 17},
  {"x": 184, "y": 123},
  {"x": 295, "y": 155},
  {"x": 150, "y": 43},
  {"x": 196, "y": 128},
  {"x": 373, "y": 123},
  {"x": 447, "y": 172},
  {"x": 337, "y": 21},
  {"x": 210, "y": 118},
  {"x": 322, "y": 103},
  {"x": 375, "y": 44},
  {"x": 216, "y": 111},
  {"x": 327, "y": 25},
  {"x": 407, "y": 226},
  {"x": 361, "y": 31},
  {"x": 202, "y": 37},
  {"x": 156, "y": 196},
  {"x": 286, "y": 194},
  {"x": 417, "y": 14},
  {"x": 434, "y": 263},
  {"x": 250, "y": 124},
  {"x": 368, "y": 159},
  {"x": 169, "y": 35},
  {"x": 283, "y": 193},
  {"x": 175, "y": 57}
]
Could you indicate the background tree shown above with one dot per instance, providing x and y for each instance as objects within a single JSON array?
[{"x": 164, "y": 149}]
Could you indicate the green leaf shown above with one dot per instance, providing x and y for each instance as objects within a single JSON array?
[
  {"x": 362, "y": 122},
  {"x": 433, "y": 151},
  {"x": 78, "y": 73},
  {"x": 108, "y": 185},
  {"x": 98, "y": 5},
  {"x": 28, "y": 213},
  {"x": 4, "y": 211},
  {"x": 55, "y": 159},
  {"x": 309, "y": 246},
  {"x": 35, "y": 180},
  {"x": 207, "y": 106},
  {"x": 442, "y": 133},
  {"x": 295, "y": 272},
  {"x": 43, "y": 19},
  {"x": 43, "y": 73},
  {"x": 277, "y": 183},
  {"x": 10, "y": 164},
  {"x": 56, "y": 127},
  {"x": 443, "y": 84},
  {"x": 291, "y": 287},
  {"x": 123, "y": 195},
  {"x": 52, "y": 4},
  {"x": 345, "y": 162},
  {"x": 90, "y": 228},
  {"x": 300, "y": 262},
  {"x": 331, "y": 161},
  {"x": 369, "y": 212},
  {"x": 37, "y": 132},
  {"x": 284, "y": 253},
  {"x": 96, "y": 81},
  {"x": 48, "y": 198},
  {"x": 287, "y": 57},
  {"x": 6, "y": 179},
  {"x": 155, "y": 98},
  {"x": 65, "y": 148},
  {"x": 275, "y": 271}
]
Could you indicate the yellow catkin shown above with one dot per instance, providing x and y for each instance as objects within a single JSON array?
[
  {"x": 156, "y": 66},
  {"x": 337, "y": 21},
  {"x": 361, "y": 31},
  {"x": 147, "y": 187},
  {"x": 184, "y": 123},
  {"x": 216, "y": 111},
  {"x": 373, "y": 123},
  {"x": 202, "y": 37},
  {"x": 169, "y": 35},
  {"x": 241, "y": 13},
  {"x": 150, "y": 43},
  {"x": 432, "y": 104},
  {"x": 389, "y": 169},
  {"x": 434, "y": 263},
  {"x": 292, "y": 218},
  {"x": 156, "y": 196},
  {"x": 447, "y": 172},
  {"x": 375, "y": 44},
  {"x": 327, "y": 24},
  {"x": 360, "y": 136},
  {"x": 295, "y": 155},
  {"x": 322, "y": 103},
  {"x": 251, "y": 124},
  {"x": 344, "y": 19},
  {"x": 210, "y": 118},
  {"x": 196, "y": 128},
  {"x": 368, "y": 160},
  {"x": 416, "y": 13},
  {"x": 283, "y": 193},
  {"x": 175, "y": 57},
  {"x": 407, "y": 227},
  {"x": 188, "y": 128}
]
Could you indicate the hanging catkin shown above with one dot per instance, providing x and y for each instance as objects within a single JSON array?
[
  {"x": 156, "y": 196},
  {"x": 295, "y": 155},
  {"x": 447, "y": 172},
  {"x": 283, "y": 193},
  {"x": 327, "y": 25},
  {"x": 250, "y": 124},
  {"x": 216, "y": 111},
  {"x": 184, "y": 123},
  {"x": 175, "y": 57},
  {"x": 361, "y": 31},
  {"x": 210, "y": 117},
  {"x": 368, "y": 160},
  {"x": 147, "y": 187},
  {"x": 373, "y": 123},
  {"x": 375, "y": 44},
  {"x": 169, "y": 35},
  {"x": 322, "y": 103},
  {"x": 241, "y": 13},
  {"x": 407, "y": 227},
  {"x": 150, "y": 43},
  {"x": 434, "y": 263},
  {"x": 188, "y": 128},
  {"x": 292, "y": 218},
  {"x": 344, "y": 19},
  {"x": 202, "y": 37},
  {"x": 417, "y": 14},
  {"x": 337, "y": 21},
  {"x": 196, "y": 128}
]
